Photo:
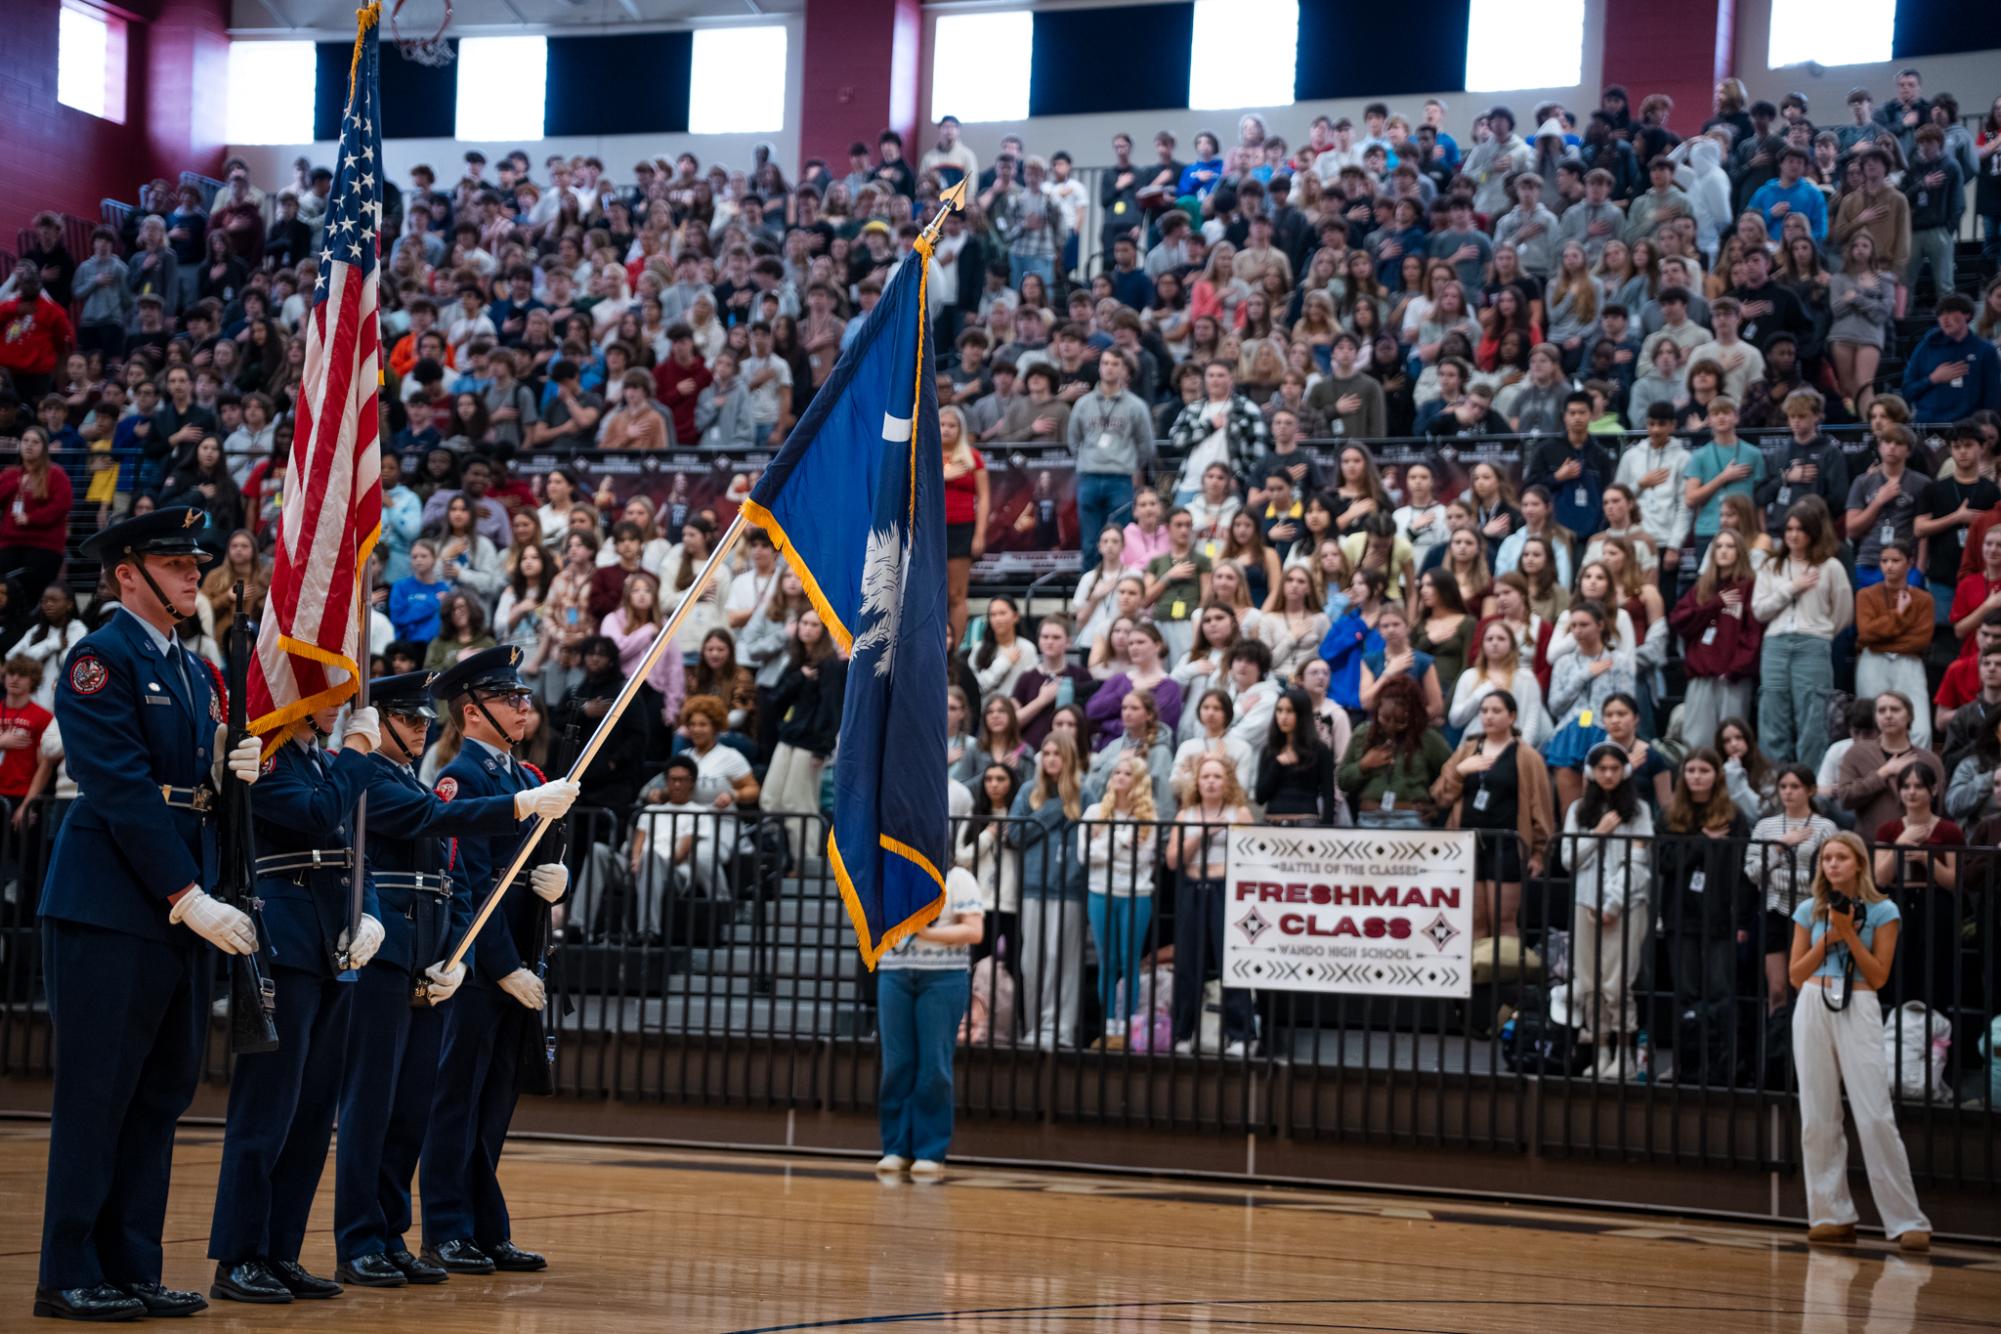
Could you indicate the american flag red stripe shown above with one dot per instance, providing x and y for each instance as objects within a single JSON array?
[{"x": 309, "y": 642}]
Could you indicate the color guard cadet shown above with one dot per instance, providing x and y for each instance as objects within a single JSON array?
[
  {"x": 124, "y": 921},
  {"x": 281, "y": 1103},
  {"x": 465, "y": 1215},
  {"x": 392, "y": 1050}
]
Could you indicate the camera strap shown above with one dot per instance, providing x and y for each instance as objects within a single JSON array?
[{"x": 1847, "y": 982}]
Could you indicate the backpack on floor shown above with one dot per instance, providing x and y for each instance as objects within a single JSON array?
[
  {"x": 1917, "y": 1044},
  {"x": 1540, "y": 1039}
]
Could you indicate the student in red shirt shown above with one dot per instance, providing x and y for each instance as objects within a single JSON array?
[
  {"x": 679, "y": 381},
  {"x": 22, "y": 722},
  {"x": 1962, "y": 680},
  {"x": 35, "y": 335}
]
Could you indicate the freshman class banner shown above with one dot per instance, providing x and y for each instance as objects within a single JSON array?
[{"x": 1363, "y": 911}]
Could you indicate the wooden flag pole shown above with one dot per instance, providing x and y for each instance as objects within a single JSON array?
[{"x": 633, "y": 681}]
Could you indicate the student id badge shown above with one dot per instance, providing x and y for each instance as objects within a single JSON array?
[
  {"x": 1709, "y": 635},
  {"x": 1389, "y": 800},
  {"x": 1697, "y": 882},
  {"x": 1584, "y": 718},
  {"x": 1178, "y": 612},
  {"x": 1583, "y": 497},
  {"x": 1888, "y": 535},
  {"x": 1785, "y": 495},
  {"x": 1480, "y": 799}
]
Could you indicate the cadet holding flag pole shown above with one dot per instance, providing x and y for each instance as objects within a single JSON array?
[
  {"x": 126, "y": 925},
  {"x": 392, "y": 1056},
  {"x": 466, "y": 1227}
]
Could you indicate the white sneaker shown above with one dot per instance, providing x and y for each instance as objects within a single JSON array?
[
  {"x": 1185, "y": 1047},
  {"x": 1237, "y": 1048},
  {"x": 892, "y": 1165},
  {"x": 927, "y": 1171}
]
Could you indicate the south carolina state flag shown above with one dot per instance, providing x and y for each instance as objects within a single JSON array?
[{"x": 856, "y": 503}]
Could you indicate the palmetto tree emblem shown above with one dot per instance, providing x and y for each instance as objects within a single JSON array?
[{"x": 883, "y": 568}]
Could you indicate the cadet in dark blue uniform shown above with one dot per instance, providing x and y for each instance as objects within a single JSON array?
[
  {"x": 465, "y": 1214},
  {"x": 392, "y": 1050},
  {"x": 281, "y": 1103},
  {"x": 124, "y": 919}
]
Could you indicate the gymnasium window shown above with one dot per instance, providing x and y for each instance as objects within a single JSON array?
[
  {"x": 271, "y": 90},
  {"x": 1831, "y": 32},
  {"x": 979, "y": 65},
  {"x": 90, "y": 61},
  {"x": 503, "y": 83},
  {"x": 737, "y": 82},
  {"x": 1507, "y": 48},
  {"x": 1243, "y": 54}
]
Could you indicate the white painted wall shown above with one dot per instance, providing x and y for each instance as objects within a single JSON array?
[
  {"x": 1974, "y": 77},
  {"x": 271, "y": 164},
  {"x": 1088, "y": 138}
]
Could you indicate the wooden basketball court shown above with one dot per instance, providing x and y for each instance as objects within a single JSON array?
[{"x": 649, "y": 1239}]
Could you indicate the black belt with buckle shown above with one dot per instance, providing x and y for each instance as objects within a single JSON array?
[
  {"x": 315, "y": 859},
  {"x": 418, "y": 882},
  {"x": 200, "y": 800}
]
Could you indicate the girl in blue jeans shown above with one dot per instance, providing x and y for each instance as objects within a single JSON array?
[
  {"x": 1804, "y": 600},
  {"x": 921, "y": 995}
]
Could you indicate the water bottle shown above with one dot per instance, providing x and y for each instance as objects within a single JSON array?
[{"x": 1643, "y": 1058}]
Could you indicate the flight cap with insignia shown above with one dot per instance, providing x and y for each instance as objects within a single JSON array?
[
  {"x": 408, "y": 695},
  {"x": 174, "y": 531},
  {"x": 491, "y": 671}
]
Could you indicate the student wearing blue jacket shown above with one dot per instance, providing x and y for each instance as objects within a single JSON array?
[
  {"x": 1790, "y": 192},
  {"x": 1952, "y": 373}
]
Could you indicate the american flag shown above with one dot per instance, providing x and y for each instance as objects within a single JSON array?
[{"x": 308, "y": 645}]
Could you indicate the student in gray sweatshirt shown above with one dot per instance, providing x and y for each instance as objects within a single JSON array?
[
  {"x": 1111, "y": 433},
  {"x": 108, "y": 303}
]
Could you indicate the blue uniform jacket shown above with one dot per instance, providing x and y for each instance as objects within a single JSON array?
[
  {"x": 407, "y": 831},
  {"x": 305, "y": 801},
  {"x": 507, "y": 941},
  {"x": 130, "y": 726}
]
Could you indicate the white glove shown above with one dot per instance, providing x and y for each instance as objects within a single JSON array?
[
  {"x": 549, "y": 881},
  {"x": 443, "y": 985},
  {"x": 364, "y": 723},
  {"x": 246, "y": 761},
  {"x": 551, "y": 801},
  {"x": 525, "y": 987},
  {"x": 220, "y": 925},
  {"x": 365, "y": 943}
]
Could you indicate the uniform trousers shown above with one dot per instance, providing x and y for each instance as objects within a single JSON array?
[
  {"x": 476, "y": 1091},
  {"x": 385, "y": 1108},
  {"x": 281, "y": 1116},
  {"x": 130, "y": 1019}
]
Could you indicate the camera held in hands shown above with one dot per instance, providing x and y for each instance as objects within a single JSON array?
[{"x": 1838, "y": 902}]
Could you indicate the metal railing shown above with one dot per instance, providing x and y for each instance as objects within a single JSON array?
[{"x": 707, "y": 959}]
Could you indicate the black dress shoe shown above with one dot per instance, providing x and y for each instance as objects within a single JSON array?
[
  {"x": 248, "y": 1281},
  {"x": 103, "y": 1302},
  {"x": 417, "y": 1270},
  {"x": 459, "y": 1257},
  {"x": 311, "y": 1287},
  {"x": 371, "y": 1271},
  {"x": 160, "y": 1301},
  {"x": 509, "y": 1258}
]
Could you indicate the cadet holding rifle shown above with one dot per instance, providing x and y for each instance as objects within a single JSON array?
[
  {"x": 281, "y": 1103},
  {"x": 126, "y": 925},
  {"x": 392, "y": 1057}
]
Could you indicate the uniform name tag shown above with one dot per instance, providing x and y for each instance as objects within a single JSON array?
[{"x": 156, "y": 699}]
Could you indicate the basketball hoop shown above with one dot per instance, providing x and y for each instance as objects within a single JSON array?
[{"x": 433, "y": 51}]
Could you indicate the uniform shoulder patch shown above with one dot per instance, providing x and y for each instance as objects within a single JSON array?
[
  {"x": 448, "y": 788},
  {"x": 88, "y": 674}
]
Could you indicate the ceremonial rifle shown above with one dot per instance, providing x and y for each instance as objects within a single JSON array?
[{"x": 252, "y": 995}]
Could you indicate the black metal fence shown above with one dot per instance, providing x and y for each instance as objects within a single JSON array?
[{"x": 1622, "y": 1008}]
